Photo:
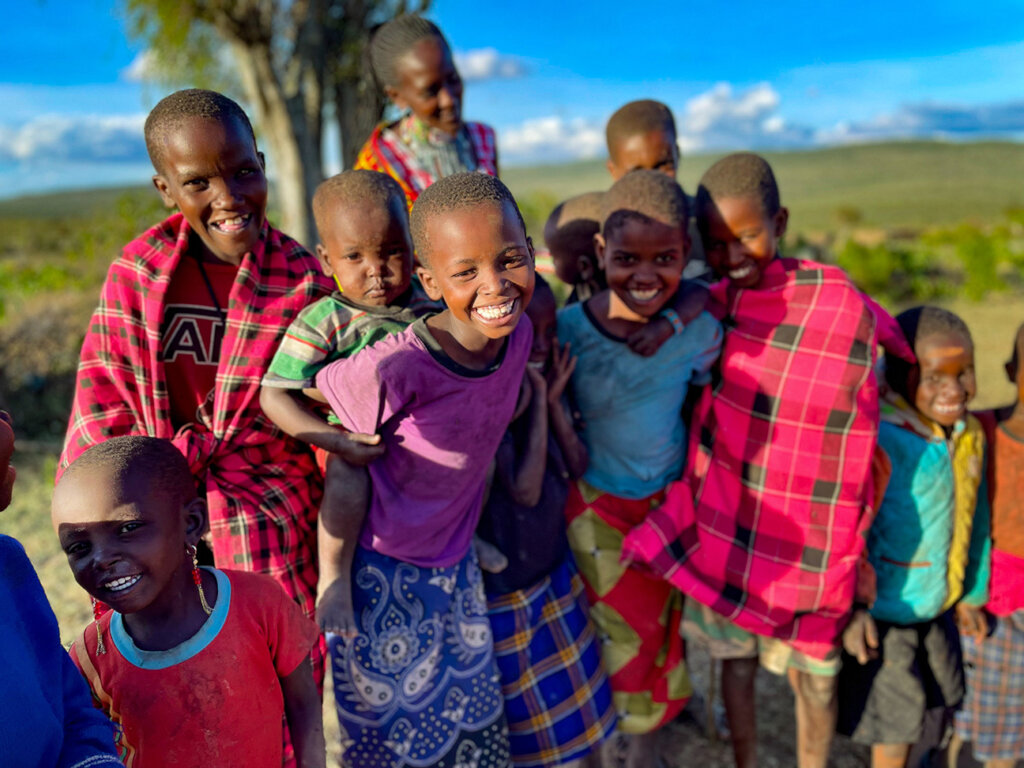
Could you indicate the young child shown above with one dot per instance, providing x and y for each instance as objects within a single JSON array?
[
  {"x": 631, "y": 407},
  {"x": 418, "y": 685},
  {"x": 189, "y": 318},
  {"x": 557, "y": 699},
  {"x": 641, "y": 135},
  {"x": 764, "y": 533},
  {"x": 48, "y": 720},
  {"x": 196, "y": 667},
  {"x": 929, "y": 548},
  {"x": 413, "y": 67},
  {"x": 992, "y": 717},
  {"x": 365, "y": 247},
  {"x": 569, "y": 235}
]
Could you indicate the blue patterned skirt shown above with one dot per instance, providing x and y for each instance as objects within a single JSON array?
[{"x": 418, "y": 686}]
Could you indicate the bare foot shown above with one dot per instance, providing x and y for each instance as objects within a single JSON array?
[{"x": 334, "y": 611}]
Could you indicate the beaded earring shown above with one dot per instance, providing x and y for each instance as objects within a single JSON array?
[
  {"x": 97, "y": 612},
  {"x": 197, "y": 578}
]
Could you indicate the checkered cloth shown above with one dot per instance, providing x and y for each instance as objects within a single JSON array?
[
  {"x": 557, "y": 698},
  {"x": 386, "y": 153},
  {"x": 766, "y": 526},
  {"x": 262, "y": 502},
  {"x": 992, "y": 718}
]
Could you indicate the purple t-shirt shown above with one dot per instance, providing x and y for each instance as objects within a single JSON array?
[{"x": 441, "y": 424}]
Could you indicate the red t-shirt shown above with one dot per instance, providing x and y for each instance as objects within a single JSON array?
[
  {"x": 214, "y": 700},
  {"x": 191, "y": 335}
]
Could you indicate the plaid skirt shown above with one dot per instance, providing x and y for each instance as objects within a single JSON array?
[
  {"x": 992, "y": 718},
  {"x": 418, "y": 685},
  {"x": 558, "y": 702}
]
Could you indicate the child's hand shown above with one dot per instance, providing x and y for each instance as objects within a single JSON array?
[
  {"x": 358, "y": 449},
  {"x": 334, "y": 611},
  {"x": 649, "y": 339},
  {"x": 490, "y": 557},
  {"x": 971, "y": 621},
  {"x": 860, "y": 638},
  {"x": 538, "y": 384},
  {"x": 562, "y": 366},
  {"x": 7, "y": 472}
]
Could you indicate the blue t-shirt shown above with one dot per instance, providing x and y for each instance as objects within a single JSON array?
[{"x": 631, "y": 405}]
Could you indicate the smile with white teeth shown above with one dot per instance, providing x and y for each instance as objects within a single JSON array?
[
  {"x": 232, "y": 225},
  {"x": 741, "y": 272},
  {"x": 119, "y": 585},
  {"x": 638, "y": 295},
  {"x": 954, "y": 408},
  {"x": 496, "y": 311}
]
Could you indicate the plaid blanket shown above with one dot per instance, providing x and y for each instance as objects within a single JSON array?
[
  {"x": 767, "y": 524},
  {"x": 257, "y": 480},
  {"x": 384, "y": 152}
]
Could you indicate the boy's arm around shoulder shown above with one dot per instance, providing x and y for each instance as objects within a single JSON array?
[
  {"x": 690, "y": 300},
  {"x": 523, "y": 475}
]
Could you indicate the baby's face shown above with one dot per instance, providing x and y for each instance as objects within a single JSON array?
[
  {"x": 368, "y": 251},
  {"x": 945, "y": 380}
]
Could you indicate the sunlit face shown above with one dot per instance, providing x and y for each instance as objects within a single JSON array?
[
  {"x": 213, "y": 174},
  {"x": 126, "y": 545},
  {"x": 429, "y": 85},
  {"x": 643, "y": 263},
  {"x": 480, "y": 261},
  {"x": 652, "y": 151},
  {"x": 368, "y": 250},
  {"x": 541, "y": 312},
  {"x": 945, "y": 377},
  {"x": 741, "y": 239}
]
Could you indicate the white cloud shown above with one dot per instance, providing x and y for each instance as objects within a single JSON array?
[
  {"x": 723, "y": 119},
  {"x": 487, "y": 64},
  {"x": 933, "y": 120},
  {"x": 76, "y": 138},
  {"x": 140, "y": 69},
  {"x": 551, "y": 139}
]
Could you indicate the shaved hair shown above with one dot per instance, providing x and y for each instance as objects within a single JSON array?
[
  {"x": 638, "y": 117},
  {"x": 351, "y": 187},
  {"x": 390, "y": 41},
  {"x": 455, "y": 193},
  {"x": 917, "y": 324},
  {"x": 739, "y": 175},
  {"x": 574, "y": 220},
  {"x": 644, "y": 194},
  {"x": 171, "y": 111},
  {"x": 154, "y": 461}
]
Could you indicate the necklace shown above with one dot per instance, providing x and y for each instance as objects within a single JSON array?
[{"x": 222, "y": 316}]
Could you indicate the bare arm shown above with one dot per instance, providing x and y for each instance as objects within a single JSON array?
[
  {"x": 573, "y": 450},
  {"x": 292, "y": 413},
  {"x": 690, "y": 300},
  {"x": 523, "y": 474},
  {"x": 304, "y": 712}
]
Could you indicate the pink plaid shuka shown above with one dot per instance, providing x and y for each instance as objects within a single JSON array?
[
  {"x": 767, "y": 524},
  {"x": 261, "y": 486}
]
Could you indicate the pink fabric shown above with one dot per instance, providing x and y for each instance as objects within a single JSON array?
[
  {"x": 1004, "y": 592},
  {"x": 767, "y": 524}
]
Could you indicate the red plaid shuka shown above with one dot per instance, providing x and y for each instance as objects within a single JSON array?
[
  {"x": 767, "y": 525},
  {"x": 383, "y": 152},
  {"x": 261, "y": 486}
]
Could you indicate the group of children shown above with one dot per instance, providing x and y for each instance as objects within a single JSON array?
[{"x": 663, "y": 457}]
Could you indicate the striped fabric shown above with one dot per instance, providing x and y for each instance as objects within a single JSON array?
[
  {"x": 386, "y": 153},
  {"x": 992, "y": 718},
  {"x": 557, "y": 698},
  {"x": 767, "y": 525},
  {"x": 257, "y": 480}
]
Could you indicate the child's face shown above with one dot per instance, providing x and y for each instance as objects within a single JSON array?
[
  {"x": 125, "y": 546},
  {"x": 573, "y": 257},
  {"x": 945, "y": 377},
  {"x": 481, "y": 263},
  {"x": 368, "y": 251},
  {"x": 652, "y": 151},
  {"x": 429, "y": 85},
  {"x": 740, "y": 239},
  {"x": 541, "y": 312},
  {"x": 643, "y": 263},
  {"x": 213, "y": 174}
]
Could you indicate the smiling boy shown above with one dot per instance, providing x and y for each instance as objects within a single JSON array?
[
  {"x": 189, "y": 318},
  {"x": 420, "y": 680}
]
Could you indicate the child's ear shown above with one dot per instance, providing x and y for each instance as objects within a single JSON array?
[
  {"x": 613, "y": 169},
  {"x": 529, "y": 247},
  {"x": 263, "y": 160},
  {"x": 585, "y": 268},
  {"x": 165, "y": 191},
  {"x": 429, "y": 283},
  {"x": 599, "y": 246},
  {"x": 196, "y": 520},
  {"x": 321, "y": 255},
  {"x": 1011, "y": 371},
  {"x": 781, "y": 220}
]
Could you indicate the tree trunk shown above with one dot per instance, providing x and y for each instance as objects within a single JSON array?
[{"x": 358, "y": 109}]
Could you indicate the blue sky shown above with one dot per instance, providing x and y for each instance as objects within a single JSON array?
[{"x": 737, "y": 74}]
